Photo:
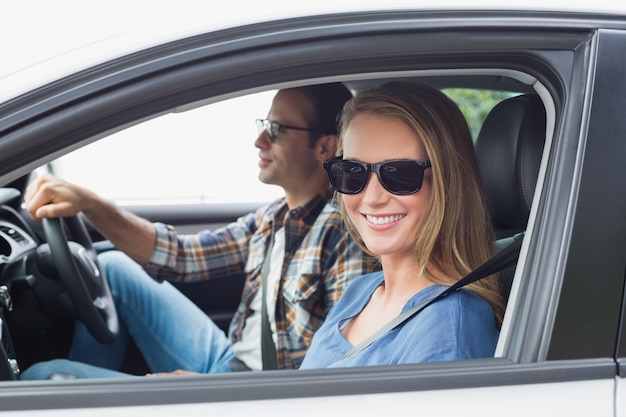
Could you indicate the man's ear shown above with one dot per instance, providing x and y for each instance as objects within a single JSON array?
[{"x": 326, "y": 146}]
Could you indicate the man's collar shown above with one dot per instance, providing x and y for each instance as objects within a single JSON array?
[{"x": 306, "y": 212}]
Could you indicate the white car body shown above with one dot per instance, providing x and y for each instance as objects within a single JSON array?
[{"x": 82, "y": 36}]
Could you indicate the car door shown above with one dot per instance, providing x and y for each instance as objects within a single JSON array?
[{"x": 556, "y": 353}]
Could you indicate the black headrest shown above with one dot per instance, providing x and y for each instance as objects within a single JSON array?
[{"x": 509, "y": 148}]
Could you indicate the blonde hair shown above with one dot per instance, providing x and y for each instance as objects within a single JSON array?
[{"x": 456, "y": 234}]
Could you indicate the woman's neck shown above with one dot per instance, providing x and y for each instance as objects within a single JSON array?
[{"x": 403, "y": 279}]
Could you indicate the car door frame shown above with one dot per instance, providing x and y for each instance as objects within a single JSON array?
[{"x": 562, "y": 51}]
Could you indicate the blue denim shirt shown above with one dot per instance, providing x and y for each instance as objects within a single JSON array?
[{"x": 459, "y": 326}]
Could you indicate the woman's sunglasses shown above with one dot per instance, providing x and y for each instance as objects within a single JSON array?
[{"x": 398, "y": 176}]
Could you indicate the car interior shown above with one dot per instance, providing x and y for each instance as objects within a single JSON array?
[{"x": 38, "y": 314}]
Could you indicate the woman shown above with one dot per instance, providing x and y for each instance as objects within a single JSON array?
[{"x": 411, "y": 195}]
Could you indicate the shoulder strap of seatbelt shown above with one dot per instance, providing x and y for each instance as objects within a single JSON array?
[{"x": 268, "y": 349}]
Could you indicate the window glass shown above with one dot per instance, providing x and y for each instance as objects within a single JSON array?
[{"x": 202, "y": 155}]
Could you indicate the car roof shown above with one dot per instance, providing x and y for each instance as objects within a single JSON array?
[{"x": 43, "y": 41}]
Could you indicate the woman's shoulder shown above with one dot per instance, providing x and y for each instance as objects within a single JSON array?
[
  {"x": 466, "y": 297},
  {"x": 459, "y": 326},
  {"x": 463, "y": 305}
]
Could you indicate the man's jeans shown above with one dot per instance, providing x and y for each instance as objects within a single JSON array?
[{"x": 169, "y": 329}]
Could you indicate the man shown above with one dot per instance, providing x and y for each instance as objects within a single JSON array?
[{"x": 310, "y": 258}]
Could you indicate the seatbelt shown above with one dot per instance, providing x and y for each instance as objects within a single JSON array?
[
  {"x": 268, "y": 349},
  {"x": 503, "y": 259}
]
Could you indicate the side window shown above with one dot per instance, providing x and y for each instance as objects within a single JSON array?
[{"x": 202, "y": 155}]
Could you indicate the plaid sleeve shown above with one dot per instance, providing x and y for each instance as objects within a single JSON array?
[{"x": 203, "y": 255}]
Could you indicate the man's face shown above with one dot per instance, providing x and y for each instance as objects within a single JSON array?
[{"x": 289, "y": 161}]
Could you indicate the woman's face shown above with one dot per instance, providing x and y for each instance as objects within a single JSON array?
[{"x": 388, "y": 223}]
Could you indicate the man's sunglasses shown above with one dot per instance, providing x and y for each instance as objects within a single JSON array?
[
  {"x": 398, "y": 176},
  {"x": 272, "y": 128}
]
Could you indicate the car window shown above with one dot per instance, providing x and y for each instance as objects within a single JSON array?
[{"x": 176, "y": 158}]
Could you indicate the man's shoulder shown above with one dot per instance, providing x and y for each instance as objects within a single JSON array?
[
  {"x": 270, "y": 209},
  {"x": 331, "y": 207},
  {"x": 330, "y": 217}
]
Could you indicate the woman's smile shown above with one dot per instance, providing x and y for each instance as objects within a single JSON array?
[{"x": 384, "y": 219}]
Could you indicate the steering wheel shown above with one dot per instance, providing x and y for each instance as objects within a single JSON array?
[{"x": 77, "y": 264}]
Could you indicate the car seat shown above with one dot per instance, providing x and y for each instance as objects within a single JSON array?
[{"x": 509, "y": 148}]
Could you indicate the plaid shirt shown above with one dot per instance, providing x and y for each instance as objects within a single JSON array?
[{"x": 320, "y": 260}]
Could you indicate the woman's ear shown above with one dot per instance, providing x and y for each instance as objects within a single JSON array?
[{"x": 326, "y": 147}]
